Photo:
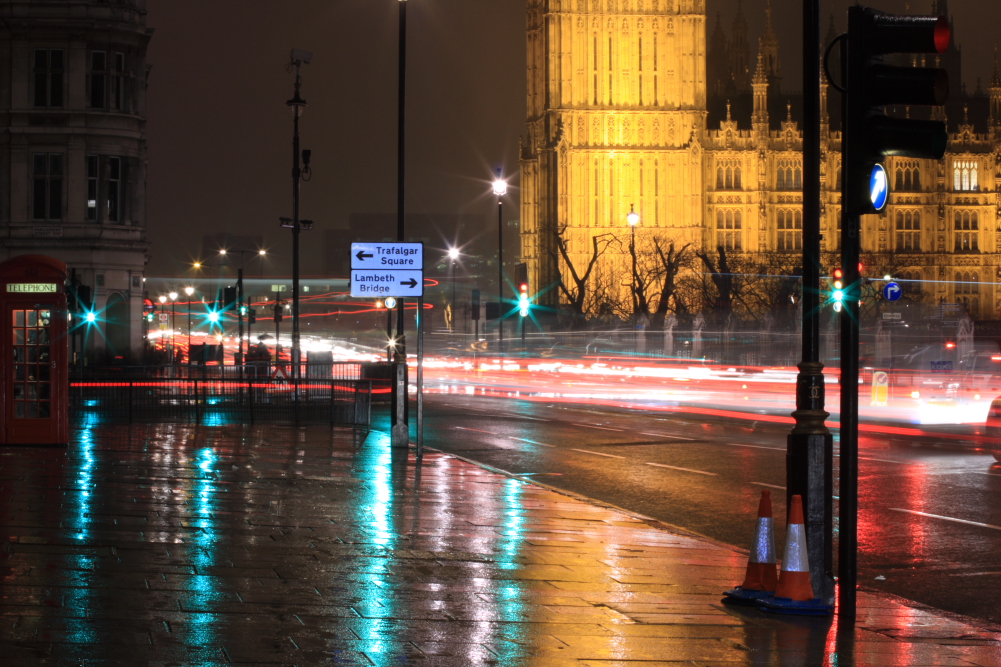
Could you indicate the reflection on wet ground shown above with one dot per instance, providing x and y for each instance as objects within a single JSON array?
[{"x": 261, "y": 545}]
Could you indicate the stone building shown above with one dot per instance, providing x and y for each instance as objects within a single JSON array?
[
  {"x": 628, "y": 106},
  {"x": 73, "y": 152}
]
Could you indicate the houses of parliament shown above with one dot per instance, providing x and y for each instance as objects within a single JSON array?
[{"x": 631, "y": 107}]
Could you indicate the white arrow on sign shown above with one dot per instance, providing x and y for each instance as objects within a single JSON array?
[{"x": 372, "y": 283}]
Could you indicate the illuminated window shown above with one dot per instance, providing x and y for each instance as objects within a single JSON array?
[
  {"x": 729, "y": 233},
  {"x": 908, "y": 231},
  {"x": 790, "y": 231},
  {"x": 964, "y": 176},
  {"x": 966, "y": 232}
]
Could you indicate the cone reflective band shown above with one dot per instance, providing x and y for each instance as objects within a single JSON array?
[
  {"x": 761, "y": 574},
  {"x": 794, "y": 582}
]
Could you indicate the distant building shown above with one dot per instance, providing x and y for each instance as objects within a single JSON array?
[
  {"x": 73, "y": 154},
  {"x": 630, "y": 105}
]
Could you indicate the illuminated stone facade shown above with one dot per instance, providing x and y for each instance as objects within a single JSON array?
[{"x": 617, "y": 118}]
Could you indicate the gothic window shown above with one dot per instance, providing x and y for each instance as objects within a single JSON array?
[
  {"x": 838, "y": 186},
  {"x": 719, "y": 178},
  {"x": 964, "y": 176},
  {"x": 799, "y": 179},
  {"x": 596, "y": 68},
  {"x": 908, "y": 176},
  {"x": 966, "y": 232},
  {"x": 736, "y": 177},
  {"x": 729, "y": 233},
  {"x": 47, "y": 186},
  {"x": 789, "y": 176},
  {"x": 908, "y": 231},
  {"x": 641, "y": 69},
  {"x": 48, "y": 77},
  {"x": 790, "y": 231},
  {"x": 729, "y": 178}
]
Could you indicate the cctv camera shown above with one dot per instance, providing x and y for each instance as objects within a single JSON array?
[{"x": 302, "y": 56}]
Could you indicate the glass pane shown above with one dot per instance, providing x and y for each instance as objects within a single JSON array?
[
  {"x": 32, "y": 370},
  {"x": 97, "y": 61},
  {"x": 55, "y": 164},
  {"x": 43, "y": 336},
  {"x": 32, "y": 391},
  {"x": 43, "y": 373},
  {"x": 43, "y": 410},
  {"x": 44, "y": 391},
  {"x": 56, "y": 199},
  {"x": 18, "y": 339},
  {"x": 32, "y": 318},
  {"x": 56, "y": 89},
  {"x": 19, "y": 318},
  {"x": 40, "y": 165},
  {"x": 32, "y": 336},
  {"x": 18, "y": 391},
  {"x": 40, "y": 88},
  {"x": 32, "y": 354},
  {"x": 19, "y": 371},
  {"x": 41, "y": 58},
  {"x": 56, "y": 58},
  {"x": 43, "y": 352},
  {"x": 38, "y": 199},
  {"x": 32, "y": 410},
  {"x": 19, "y": 410}
]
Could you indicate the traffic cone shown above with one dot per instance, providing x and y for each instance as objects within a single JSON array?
[
  {"x": 761, "y": 579},
  {"x": 794, "y": 594},
  {"x": 794, "y": 582}
]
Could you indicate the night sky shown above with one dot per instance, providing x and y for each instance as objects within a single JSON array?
[{"x": 220, "y": 134}]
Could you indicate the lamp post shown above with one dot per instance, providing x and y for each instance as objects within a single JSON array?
[
  {"x": 239, "y": 288},
  {"x": 634, "y": 219},
  {"x": 163, "y": 300},
  {"x": 189, "y": 291},
  {"x": 500, "y": 189},
  {"x": 453, "y": 254},
  {"x": 298, "y": 174},
  {"x": 173, "y": 314}
]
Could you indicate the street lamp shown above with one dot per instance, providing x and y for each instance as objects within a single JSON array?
[
  {"x": 163, "y": 300},
  {"x": 453, "y": 254},
  {"x": 189, "y": 291},
  {"x": 173, "y": 312},
  {"x": 500, "y": 189},
  {"x": 634, "y": 219}
]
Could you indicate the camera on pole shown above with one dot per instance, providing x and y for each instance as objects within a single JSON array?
[{"x": 871, "y": 135}]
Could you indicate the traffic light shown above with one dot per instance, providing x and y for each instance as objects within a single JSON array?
[
  {"x": 149, "y": 317},
  {"x": 228, "y": 298},
  {"x": 251, "y": 316},
  {"x": 523, "y": 302},
  {"x": 278, "y": 311},
  {"x": 838, "y": 293},
  {"x": 871, "y": 135},
  {"x": 243, "y": 310}
]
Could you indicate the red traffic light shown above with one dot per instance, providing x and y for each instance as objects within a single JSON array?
[
  {"x": 523, "y": 288},
  {"x": 943, "y": 33},
  {"x": 838, "y": 274}
]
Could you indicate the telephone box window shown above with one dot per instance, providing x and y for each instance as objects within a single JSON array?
[{"x": 32, "y": 364}]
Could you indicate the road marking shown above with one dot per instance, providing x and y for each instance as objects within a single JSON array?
[
  {"x": 532, "y": 442},
  {"x": 588, "y": 451},
  {"x": 947, "y": 518},
  {"x": 738, "y": 444},
  {"x": 463, "y": 428},
  {"x": 603, "y": 428},
  {"x": 538, "y": 419},
  {"x": 869, "y": 458},
  {"x": 770, "y": 486},
  {"x": 664, "y": 465},
  {"x": 664, "y": 435}
]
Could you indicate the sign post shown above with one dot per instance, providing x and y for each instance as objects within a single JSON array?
[{"x": 395, "y": 270}]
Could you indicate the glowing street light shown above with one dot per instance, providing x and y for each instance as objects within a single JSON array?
[
  {"x": 189, "y": 291},
  {"x": 453, "y": 254},
  {"x": 500, "y": 189}
]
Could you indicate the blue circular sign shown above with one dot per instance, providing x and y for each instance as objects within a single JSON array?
[
  {"x": 892, "y": 291},
  {"x": 879, "y": 188}
]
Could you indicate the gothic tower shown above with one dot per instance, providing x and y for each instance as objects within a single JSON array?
[{"x": 616, "y": 110}]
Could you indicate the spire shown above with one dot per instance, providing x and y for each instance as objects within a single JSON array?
[
  {"x": 759, "y": 117},
  {"x": 728, "y": 111},
  {"x": 739, "y": 51},
  {"x": 717, "y": 60},
  {"x": 995, "y": 77},
  {"x": 994, "y": 92},
  {"x": 770, "y": 50}
]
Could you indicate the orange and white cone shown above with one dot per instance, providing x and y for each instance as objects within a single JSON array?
[
  {"x": 761, "y": 578},
  {"x": 794, "y": 581}
]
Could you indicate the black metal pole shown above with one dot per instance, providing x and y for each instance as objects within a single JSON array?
[
  {"x": 500, "y": 274},
  {"x": 296, "y": 177},
  {"x": 401, "y": 130},
  {"x": 810, "y": 444},
  {"x": 453, "y": 296},
  {"x": 848, "y": 486},
  {"x": 239, "y": 313}
]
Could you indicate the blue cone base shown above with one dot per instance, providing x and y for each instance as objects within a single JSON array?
[
  {"x": 750, "y": 598},
  {"x": 814, "y": 607}
]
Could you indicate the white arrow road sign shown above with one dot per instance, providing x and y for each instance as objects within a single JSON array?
[
  {"x": 409, "y": 256},
  {"x": 371, "y": 283}
]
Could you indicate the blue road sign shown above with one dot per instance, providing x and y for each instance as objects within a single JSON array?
[
  {"x": 375, "y": 283},
  {"x": 879, "y": 188},
  {"x": 892, "y": 291},
  {"x": 409, "y": 256}
]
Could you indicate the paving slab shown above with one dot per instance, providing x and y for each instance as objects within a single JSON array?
[{"x": 242, "y": 545}]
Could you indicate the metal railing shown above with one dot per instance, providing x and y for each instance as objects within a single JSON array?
[{"x": 216, "y": 401}]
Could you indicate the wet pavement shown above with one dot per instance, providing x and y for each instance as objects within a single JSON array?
[{"x": 223, "y": 545}]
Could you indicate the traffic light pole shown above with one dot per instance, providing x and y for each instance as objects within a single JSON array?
[
  {"x": 809, "y": 446},
  {"x": 239, "y": 316}
]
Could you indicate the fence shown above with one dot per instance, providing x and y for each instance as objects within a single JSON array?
[{"x": 221, "y": 400}]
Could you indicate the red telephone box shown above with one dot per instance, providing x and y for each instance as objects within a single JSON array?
[{"x": 35, "y": 351}]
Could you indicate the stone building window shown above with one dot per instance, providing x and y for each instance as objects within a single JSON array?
[
  {"x": 48, "y": 73},
  {"x": 908, "y": 231},
  {"x": 964, "y": 176},
  {"x": 728, "y": 176},
  {"x": 790, "y": 231},
  {"x": 92, "y": 180},
  {"x": 97, "y": 89},
  {"x": 967, "y": 289},
  {"x": 908, "y": 176},
  {"x": 966, "y": 232},
  {"x": 114, "y": 189},
  {"x": 119, "y": 91},
  {"x": 789, "y": 175},
  {"x": 47, "y": 186},
  {"x": 110, "y": 176},
  {"x": 729, "y": 233}
]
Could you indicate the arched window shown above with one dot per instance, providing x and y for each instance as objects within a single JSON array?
[
  {"x": 780, "y": 183},
  {"x": 899, "y": 185},
  {"x": 908, "y": 231},
  {"x": 736, "y": 220},
  {"x": 838, "y": 186},
  {"x": 966, "y": 179},
  {"x": 973, "y": 178},
  {"x": 728, "y": 225},
  {"x": 736, "y": 177},
  {"x": 916, "y": 179},
  {"x": 719, "y": 178},
  {"x": 729, "y": 178},
  {"x": 957, "y": 179},
  {"x": 799, "y": 179},
  {"x": 789, "y": 236},
  {"x": 719, "y": 220},
  {"x": 975, "y": 283}
]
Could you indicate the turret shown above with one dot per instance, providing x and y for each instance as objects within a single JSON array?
[
  {"x": 759, "y": 118},
  {"x": 769, "y": 49},
  {"x": 995, "y": 94}
]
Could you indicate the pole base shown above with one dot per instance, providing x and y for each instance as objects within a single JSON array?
[
  {"x": 814, "y": 607},
  {"x": 746, "y": 597}
]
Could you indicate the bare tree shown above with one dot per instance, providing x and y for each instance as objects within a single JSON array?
[
  {"x": 671, "y": 262},
  {"x": 576, "y": 294}
]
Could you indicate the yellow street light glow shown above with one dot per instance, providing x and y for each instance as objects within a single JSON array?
[
  {"x": 262, "y": 251},
  {"x": 500, "y": 187},
  {"x": 173, "y": 296},
  {"x": 222, "y": 252},
  {"x": 189, "y": 290},
  {"x": 163, "y": 299}
]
